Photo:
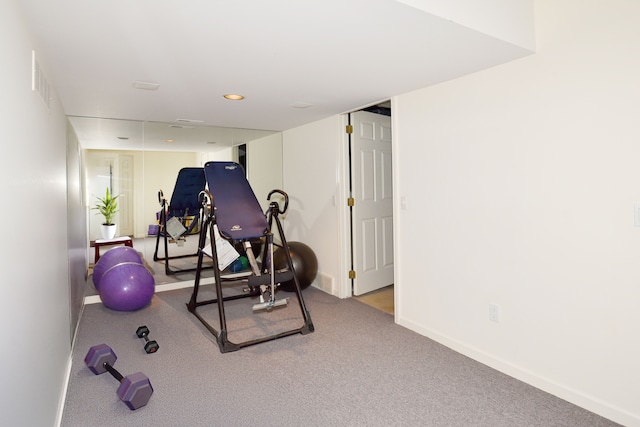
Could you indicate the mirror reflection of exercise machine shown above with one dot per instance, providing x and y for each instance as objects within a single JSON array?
[
  {"x": 181, "y": 216},
  {"x": 232, "y": 217}
]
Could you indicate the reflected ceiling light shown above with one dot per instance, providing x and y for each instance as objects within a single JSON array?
[
  {"x": 169, "y": 140},
  {"x": 189, "y": 121},
  {"x": 211, "y": 142},
  {"x": 146, "y": 85},
  {"x": 233, "y": 97}
]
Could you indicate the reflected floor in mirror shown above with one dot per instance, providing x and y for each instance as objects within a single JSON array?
[{"x": 146, "y": 247}]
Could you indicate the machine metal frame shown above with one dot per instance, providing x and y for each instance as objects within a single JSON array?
[
  {"x": 185, "y": 202},
  {"x": 228, "y": 190}
]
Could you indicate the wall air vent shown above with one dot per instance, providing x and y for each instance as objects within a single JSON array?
[{"x": 39, "y": 83}]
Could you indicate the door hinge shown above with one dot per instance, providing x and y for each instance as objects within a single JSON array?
[
  {"x": 351, "y": 202},
  {"x": 349, "y": 129},
  {"x": 352, "y": 274}
]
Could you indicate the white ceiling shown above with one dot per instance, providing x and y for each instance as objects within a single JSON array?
[{"x": 335, "y": 56}]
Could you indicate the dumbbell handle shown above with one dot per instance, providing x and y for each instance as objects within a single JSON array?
[
  {"x": 146, "y": 337},
  {"x": 117, "y": 375}
]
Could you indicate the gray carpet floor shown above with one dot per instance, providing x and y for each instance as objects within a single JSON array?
[{"x": 357, "y": 369}]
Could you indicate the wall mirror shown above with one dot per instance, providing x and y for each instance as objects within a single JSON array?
[{"x": 136, "y": 160}]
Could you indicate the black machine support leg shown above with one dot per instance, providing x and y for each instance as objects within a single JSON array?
[
  {"x": 273, "y": 214},
  {"x": 163, "y": 224},
  {"x": 201, "y": 243},
  {"x": 221, "y": 335}
]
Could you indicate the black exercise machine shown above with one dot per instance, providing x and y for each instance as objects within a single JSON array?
[
  {"x": 181, "y": 216},
  {"x": 230, "y": 206}
]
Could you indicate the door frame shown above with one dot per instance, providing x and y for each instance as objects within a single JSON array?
[{"x": 344, "y": 220}]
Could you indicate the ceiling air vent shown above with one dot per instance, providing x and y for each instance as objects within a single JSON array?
[{"x": 181, "y": 127}]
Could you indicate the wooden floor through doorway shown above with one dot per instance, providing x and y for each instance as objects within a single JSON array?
[{"x": 382, "y": 299}]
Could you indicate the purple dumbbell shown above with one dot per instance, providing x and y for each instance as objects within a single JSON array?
[{"x": 134, "y": 390}]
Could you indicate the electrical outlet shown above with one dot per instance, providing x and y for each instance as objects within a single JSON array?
[{"x": 494, "y": 313}]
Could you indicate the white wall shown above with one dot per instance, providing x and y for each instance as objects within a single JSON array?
[
  {"x": 35, "y": 313},
  {"x": 312, "y": 167},
  {"x": 520, "y": 184}
]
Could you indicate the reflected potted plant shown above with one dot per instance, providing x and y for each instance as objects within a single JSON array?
[{"x": 107, "y": 206}]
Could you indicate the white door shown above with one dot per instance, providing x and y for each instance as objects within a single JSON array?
[{"x": 372, "y": 212}]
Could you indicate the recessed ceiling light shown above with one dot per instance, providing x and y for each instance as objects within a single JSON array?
[
  {"x": 146, "y": 85},
  {"x": 234, "y": 97},
  {"x": 123, "y": 138},
  {"x": 189, "y": 121}
]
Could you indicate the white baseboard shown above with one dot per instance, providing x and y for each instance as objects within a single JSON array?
[
  {"x": 325, "y": 283},
  {"x": 63, "y": 393},
  {"x": 576, "y": 397}
]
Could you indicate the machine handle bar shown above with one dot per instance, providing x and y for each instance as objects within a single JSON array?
[{"x": 275, "y": 204}]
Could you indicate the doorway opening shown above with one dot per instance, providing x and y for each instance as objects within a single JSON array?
[
  {"x": 371, "y": 203},
  {"x": 382, "y": 299}
]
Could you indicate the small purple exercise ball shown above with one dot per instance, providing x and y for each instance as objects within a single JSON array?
[
  {"x": 127, "y": 286},
  {"x": 112, "y": 257}
]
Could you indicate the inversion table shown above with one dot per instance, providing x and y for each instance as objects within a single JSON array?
[
  {"x": 184, "y": 203},
  {"x": 230, "y": 205}
]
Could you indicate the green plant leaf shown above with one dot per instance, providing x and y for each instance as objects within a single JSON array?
[{"x": 107, "y": 206}]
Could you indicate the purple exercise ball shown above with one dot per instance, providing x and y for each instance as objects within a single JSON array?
[
  {"x": 112, "y": 257},
  {"x": 127, "y": 286}
]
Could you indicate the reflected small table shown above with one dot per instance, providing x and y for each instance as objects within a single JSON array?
[{"x": 124, "y": 240}]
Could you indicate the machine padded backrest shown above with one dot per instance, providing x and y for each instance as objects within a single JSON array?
[
  {"x": 189, "y": 184},
  {"x": 238, "y": 213}
]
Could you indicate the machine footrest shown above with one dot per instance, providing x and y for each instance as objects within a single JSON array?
[{"x": 270, "y": 304}]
